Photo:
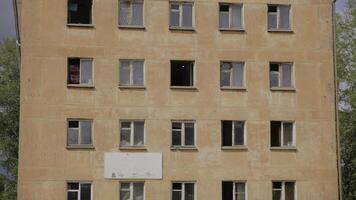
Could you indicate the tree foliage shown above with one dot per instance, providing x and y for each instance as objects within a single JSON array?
[
  {"x": 346, "y": 60},
  {"x": 9, "y": 118}
]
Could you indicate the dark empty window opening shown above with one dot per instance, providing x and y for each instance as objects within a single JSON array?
[
  {"x": 80, "y": 12},
  {"x": 182, "y": 73},
  {"x": 233, "y": 133}
]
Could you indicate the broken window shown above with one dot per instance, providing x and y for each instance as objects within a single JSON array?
[
  {"x": 181, "y": 15},
  {"x": 183, "y": 133},
  {"x": 131, "y": 73},
  {"x": 233, "y": 190},
  {"x": 233, "y": 133},
  {"x": 282, "y": 134},
  {"x": 182, "y": 73},
  {"x": 132, "y": 133},
  {"x": 79, "y": 191},
  {"x": 283, "y": 190},
  {"x": 230, "y": 16},
  {"x": 79, "y": 132},
  {"x": 131, "y": 13},
  {"x": 279, "y": 17},
  {"x": 132, "y": 191},
  {"x": 80, "y": 12},
  {"x": 183, "y": 191},
  {"x": 232, "y": 74},
  {"x": 281, "y": 75},
  {"x": 80, "y": 71}
]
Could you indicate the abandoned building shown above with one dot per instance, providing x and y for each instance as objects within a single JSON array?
[{"x": 177, "y": 100}]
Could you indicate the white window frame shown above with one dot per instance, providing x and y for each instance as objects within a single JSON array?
[
  {"x": 130, "y": 17},
  {"x": 182, "y": 131},
  {"x": 294, "y": 143},
  {"x": 183, "y": 189},
  {"x": 79, "y": 131},
  {"x": 80, "y": 73},
  {"x": 131, "y": 189},
  {"x": 230, "y": 16},
  {"x": 131, "y": 72},
  {"x": 283, "y": 189},
  {"x": 234, "y": 189},
  {"x": 280, "y": 74},
  {"x": 233, "y": 132},
  {"x": 79, "y": 188},
  {"x": 278, "y": 17},
  {"x": 231, "y": 74},
  {"x": 132, "y": 132},
  {"x": 180, "y": 10}
]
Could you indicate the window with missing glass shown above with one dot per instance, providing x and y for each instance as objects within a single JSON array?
[
  {"x": 183, "y": 191},
  {"x": 279, "y": 17},
  {"x": 80, "y": 72},
  {"x": 131, "y": 73},
  {"x": 131, "y": 13},
  {"x": 234, "y": 190},
  {"x": 132, "y": 133},
  {"x": 233, "y": 133},
  {"x": 283, "y": 190},
  {"x": 183, "y": 133},
  {"x": 230, "y": 16},
  {"x": 281, "y": 75},
  {"x": 232, "y": 74},
  {"x": 80, "y": 12},
  {"x": 181, "y": 15},
  {"x": 79, "y": 132},
  {"x": 79, "y": 191},
  {"x": 282, "y": 134},
  {"x": 182, "y": 73},
  {"x": 132, "y": 190}
]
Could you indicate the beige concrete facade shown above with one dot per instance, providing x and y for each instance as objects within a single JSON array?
[{"x": 45, "y": 164}]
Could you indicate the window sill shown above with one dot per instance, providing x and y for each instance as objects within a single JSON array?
[
  {"x": 132, "y": 87},
  {"x": 283, "y": 149},
  {"x": 184, "y": 148},
  {"x": 241, "y": 147},
  {"x": 132, "y": 27},
  {"x": 280, "y": 31},
  {"x": 232, "y": 30},
  {"x": 143, "y": 148},
  {"x": 283, "y": 89},
  {"x": 234, "y": 88},
  {"x": 80, "y": 147},
  {"x": 191, "y": 29},
  {"x": 80, "y": 86},
  {"x": 81, "y": 25},
  {"x": 183, "y": 88}
]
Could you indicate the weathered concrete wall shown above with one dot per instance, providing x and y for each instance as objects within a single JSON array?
[{"x": 46, "y": 102}]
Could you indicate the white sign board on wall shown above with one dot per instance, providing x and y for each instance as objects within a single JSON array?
[{"x": 133, "y": 165}]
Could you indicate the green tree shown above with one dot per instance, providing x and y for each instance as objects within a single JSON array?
[
  {"x": 9, "y": 117},
  {"x": 346, "y": 60}
]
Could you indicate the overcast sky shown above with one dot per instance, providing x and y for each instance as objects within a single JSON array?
[{"x": 7, "y": 24}]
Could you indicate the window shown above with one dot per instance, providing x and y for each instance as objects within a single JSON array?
[
  {"x": 232, "y": 74},
  {"x": 131, "y": 13},
  {"x": 181, "y": 15},
  {"x": 233, "y": 133},
  {"x": 132, "y": 133},
  {"x": 183, "y": 191},
  {"x": 183, "y": 133},
  {"x": 80, "y": 12},
  {"x": 230, "y": 16},
  {"x": 131, "y": 73},
  {"x": 278, "y": 17},
  {"x": 80, "y": 71},
  {"x": 283, "y": 190},
  {"x": 132, "y": 191},
  {"x": 281, "y": 75},
  {"x": 233, "y": 190},
  {"x": 182, "y": 73},
  {"x": 79, "y": 191},
  {"x": 79, "y": 132},
  {"x": 282, "y": 134}
]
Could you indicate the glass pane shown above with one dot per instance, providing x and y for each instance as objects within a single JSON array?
[
  {"x": 274, "y": 75},
  {"x": 236, "y": 16},
  {"x": 224, "y": 19},
  {"x": 237, "y": 74},
  {"x": 176, "y": 138},
  {"x": 137, "y": 72},
  {"x": 73, "y": 124},
  {"x": 284, "y": 17},
  {"x": 176, "y": 195},
  {"x": 277, "y": 195},
  {"x": 177, "y": 186},
  {"x": 124, "y": 73},
  {"x": 124, "y": 13},
  {"x": 239, "y": 133},
  {"x": 176, "y": 125},
  {"x": 286, "y": 75},
  {"x": 125, "y": 186},
  {"x": 125, "y": 137},
  {"x": 86, "y": 132},
  {"x": 138, "y": 133},
  {"x": 138, "y": 191},
  {"x": 189, "y": 134},
  {"x": 73, "y": 135},
  {"x": 86, "y": 72},
  {"x": 73, "y": 186},
  {"x": 272, "y": 20},
  {"x": 187, "y": 15},
  {"x": 73, "y": 71},
  {"x": 124, "y": 195},
  {"x": 225, "y": 74},
  {"x": 72, "y": 196},
  {"x": 277, "y": 185},
  {"x": 189, "y": 191},
  {"x": 85, "y": 191},
  {"x": 289, "y": 191},
  {"x": 174, "y": 15},
  {"x": 137, "y": 14},
  {"x": 287, "y": 134},
  {"x": 240, "y": 191},
  {"x": 125, "y": 125}
]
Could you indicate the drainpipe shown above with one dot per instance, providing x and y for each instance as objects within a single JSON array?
[{"x": 18, "y": 38}]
